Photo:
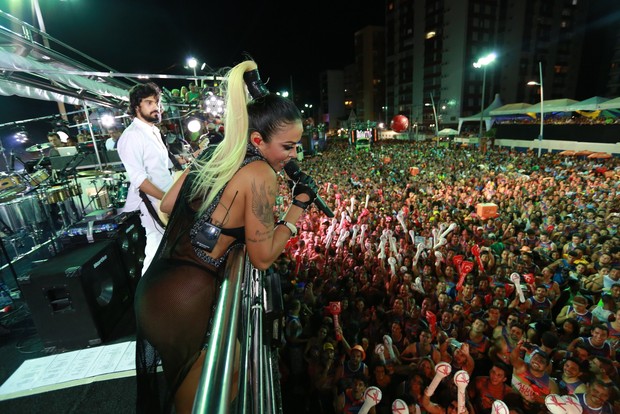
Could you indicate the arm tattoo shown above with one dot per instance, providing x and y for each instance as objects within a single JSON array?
[
  {"x": 259, "y": 236},
  {"x": 261, "y": 207}
]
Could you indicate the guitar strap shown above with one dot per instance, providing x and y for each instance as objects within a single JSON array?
[
  {"x": 147, "y": 201},
  {"x": 177, "y": 165},
  {"x": 151, "y": 209}
]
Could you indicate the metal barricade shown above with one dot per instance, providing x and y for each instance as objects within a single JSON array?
[{"x": 240, "y": 315}]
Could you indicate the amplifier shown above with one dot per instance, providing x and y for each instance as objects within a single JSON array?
[
  {"x": 125, "y": 229},
  {"x": 94, "y": 228},
  {"x": 78, "y": 298}
]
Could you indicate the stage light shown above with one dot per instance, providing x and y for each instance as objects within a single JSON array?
[
  {"x": 194, "y": 125},
  {"x": 107, "y": 120},
  {"x": 192, "y": 63},
  {"x": 214, "y": 104},
  {"x": 21, "y": 135}
]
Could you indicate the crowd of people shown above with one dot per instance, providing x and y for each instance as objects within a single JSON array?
[
  {"x": 449, "y": 279},
  {"x": 411, "y": 274}
]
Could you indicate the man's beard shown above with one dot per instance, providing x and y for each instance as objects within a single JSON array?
[{"x": 154, "y": 117}]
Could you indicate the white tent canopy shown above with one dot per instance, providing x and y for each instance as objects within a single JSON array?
[
  {"x": 610, "y": 104},
  {"x": 485, "y": 115},
  {"x": 35, "y": 65},
  {"x": 447, "y": 132},
  {"x": 553, "y": 105},
  {"x": 9, "y": 88},
  {"x": 511, "y": 109},
  {"x": 14, "y": 63},
  {"x": 590, "y": 104}
]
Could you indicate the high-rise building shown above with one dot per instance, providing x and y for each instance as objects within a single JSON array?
[
  {"x": 422, "y": 60},
  {"x": 360, "y": 85},
  {"x": 431, "y": 46}
]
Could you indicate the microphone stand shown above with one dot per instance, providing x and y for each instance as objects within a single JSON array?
[
  {"x": 69, "y": 169},
  {"x": 8, "y": 260}
]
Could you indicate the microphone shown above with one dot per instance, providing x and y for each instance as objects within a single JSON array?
[
  {"x": 292, "y": 170},
  {"x": 12, "y": 162}
]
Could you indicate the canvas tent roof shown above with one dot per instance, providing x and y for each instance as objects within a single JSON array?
[
  {"x": 553, "y": 105},
  {"x": 510, "y": 109},
  {"x": 611, "y": 104},
  {"x": 486, "y": 116},
  {"x": 35, "y": 65},
  {"x": 447, "y": 132},
  {"x": 590, "y": 104}
]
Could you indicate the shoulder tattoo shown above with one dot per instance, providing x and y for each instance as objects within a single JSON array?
[{"x": 261, "y": 204}]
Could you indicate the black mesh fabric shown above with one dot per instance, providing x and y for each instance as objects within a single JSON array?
[{"x": 173, "y": 304}]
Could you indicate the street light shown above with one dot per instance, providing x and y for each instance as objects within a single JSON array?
[
  {"x": 482, "y": 63},
  {"x": 542, "y": 107},
  {"x": 192, "y": 63}
]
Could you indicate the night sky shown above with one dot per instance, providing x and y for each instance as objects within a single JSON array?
[{"x": 157, "y": 36}]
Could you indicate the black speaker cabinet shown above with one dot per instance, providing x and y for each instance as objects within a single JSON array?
[
  {"x": 124, "y": 228},
  {"x": 78, "y": 297},
  {"x": 131, "y": 240}
]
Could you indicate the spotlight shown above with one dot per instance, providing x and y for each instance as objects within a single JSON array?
[
  {"x": 21, "y": 135},
  {"x": 194, "y": 125},
  {"x": 107, "y": 120},
  {"x": 214, "y": 104}
]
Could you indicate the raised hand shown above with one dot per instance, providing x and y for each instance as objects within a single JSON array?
[{"x": 516, "y": 279}]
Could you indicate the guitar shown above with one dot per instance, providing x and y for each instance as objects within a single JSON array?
[{"x": 165, "y": 217}]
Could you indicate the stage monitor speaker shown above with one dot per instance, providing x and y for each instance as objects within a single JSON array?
[
  {"x": 131, "y": 240},
  {"x": 78, "y": 297},
  {"x": 125, "y": 228}
]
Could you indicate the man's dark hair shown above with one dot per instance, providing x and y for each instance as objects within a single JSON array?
[
  {"x": 550, "y": 339},
  {"x": 600, "y": 326},
  {"x": 504, "y": 367},
  {"x": 139, "y": 92}
]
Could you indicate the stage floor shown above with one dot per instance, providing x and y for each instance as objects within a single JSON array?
[{"x": 45, "y": 285}]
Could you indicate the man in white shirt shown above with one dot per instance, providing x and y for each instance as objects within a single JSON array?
[
  {"x": 145, "y": 157},
  {"x": 110, "y": 143}
]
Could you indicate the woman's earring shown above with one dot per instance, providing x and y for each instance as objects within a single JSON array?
[{"x": 257, "y": 141}]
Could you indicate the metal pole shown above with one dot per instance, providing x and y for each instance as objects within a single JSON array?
[
  {"x": 542, "y": 108},
  {"x": 484, "y": 81},
  {"x": 37, "y": 10},
  {"x": 436, "y": 120},
  {"x": 92, "y": 135},
  {"x": 216, "y": 380}
]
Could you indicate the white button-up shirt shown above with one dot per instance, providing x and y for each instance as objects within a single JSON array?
[{"x": 144, "y": 156}]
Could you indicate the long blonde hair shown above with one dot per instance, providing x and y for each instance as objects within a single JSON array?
[{"x": 228, "y": 155}]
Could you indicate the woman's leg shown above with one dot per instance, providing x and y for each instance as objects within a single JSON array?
[{"x": 186, "y": 393}]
